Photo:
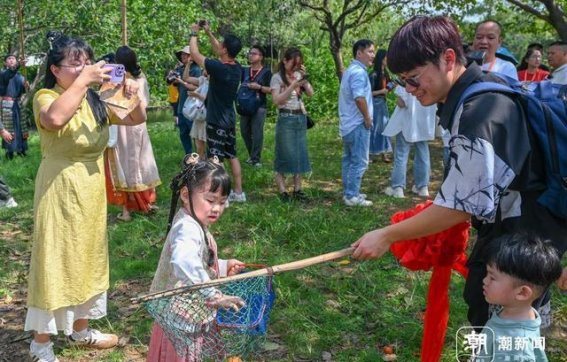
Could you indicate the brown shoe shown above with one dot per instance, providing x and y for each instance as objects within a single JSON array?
[
  {"x": 93, "y": 339},
  {"x": 386, "y": 158}
]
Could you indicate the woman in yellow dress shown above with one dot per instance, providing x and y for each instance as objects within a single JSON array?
[{"x": 69, "y": 270}]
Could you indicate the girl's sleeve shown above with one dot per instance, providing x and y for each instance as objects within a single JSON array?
[{"x": 186, "y": 257}]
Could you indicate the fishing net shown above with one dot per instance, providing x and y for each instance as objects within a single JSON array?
[{"x": 201, "y": 332}]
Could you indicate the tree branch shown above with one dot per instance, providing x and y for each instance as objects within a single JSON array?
[{"x": 530, "y": 9}]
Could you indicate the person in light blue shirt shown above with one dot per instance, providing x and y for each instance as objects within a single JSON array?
[{"x": 355, "y": 121}]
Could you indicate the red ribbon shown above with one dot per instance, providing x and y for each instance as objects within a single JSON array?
[{"x": 444, "y": 251}]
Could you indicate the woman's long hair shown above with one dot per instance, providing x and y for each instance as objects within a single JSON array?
[
  {"x": 63, "y": 47},
  {"x": 380, "y": 72},
  {"x": 290, "y": 53},
  {"x": 127, "y": 57},
  {"x": 524, "y": 63}
]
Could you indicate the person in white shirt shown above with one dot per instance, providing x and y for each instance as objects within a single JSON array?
[
  {"x": 488, "y": 38},
  {"x": 557, "y": 58},
  {"x": 411, "y": 124}
]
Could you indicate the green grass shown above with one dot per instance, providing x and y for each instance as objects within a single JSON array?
[{"x": 347, "y": 309}]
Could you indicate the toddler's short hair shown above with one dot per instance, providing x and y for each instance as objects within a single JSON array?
[{"x": 526, "y": 257}]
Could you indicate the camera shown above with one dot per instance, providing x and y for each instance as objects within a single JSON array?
[
  {"x": 172, "y": 76},
  {"x": 202, "y": 23},
  {"x": 476, "y": 56}
]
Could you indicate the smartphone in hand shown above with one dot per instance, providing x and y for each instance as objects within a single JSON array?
[{"x": 117, "y": 73}]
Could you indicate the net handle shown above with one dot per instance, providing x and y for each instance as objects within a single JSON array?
[{"x": 294, "y": 265}]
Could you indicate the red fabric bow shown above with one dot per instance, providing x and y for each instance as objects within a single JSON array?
[{"x": 443, "y": 252}]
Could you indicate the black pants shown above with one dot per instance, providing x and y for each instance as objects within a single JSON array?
[{"x": 252, "y": 131}]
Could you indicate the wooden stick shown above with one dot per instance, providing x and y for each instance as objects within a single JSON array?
[
  {"x": 299, "y": 264},
  {"x": 124, "y": 11},
  {"x": 21, "y": 26}
]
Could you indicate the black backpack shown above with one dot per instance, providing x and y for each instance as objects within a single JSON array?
[{"x": 248, "y": 100}]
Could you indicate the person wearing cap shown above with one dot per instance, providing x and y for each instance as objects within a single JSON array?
[
  {"x": 186, "y": 69},
  {"x": 488, "y": 39},
  {"x": 13, "y": 131}
]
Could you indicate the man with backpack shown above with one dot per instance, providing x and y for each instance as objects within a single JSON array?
[
  {"x": 496, "y": 170},
  {"x": 251, "y": 103}
]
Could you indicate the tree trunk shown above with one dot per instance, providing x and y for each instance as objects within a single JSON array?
[
  {"x": 336, "y": 45},
  {"x": 558, "y": 22}
]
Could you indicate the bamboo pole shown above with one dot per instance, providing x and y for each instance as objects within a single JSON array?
[
  {"x": 21, "y": 27},
  {"x": 123, "y": 10},
  {"x": 299, "y": 264}
]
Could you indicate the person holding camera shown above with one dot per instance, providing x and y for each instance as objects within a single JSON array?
[
  {"x": 69, "y": 266},
  {"x": 288, "y": 85},
  {"x": 224, "y": 78},
  {"x": 180, "y": 77},
  {"x": 256, "y": 78}
]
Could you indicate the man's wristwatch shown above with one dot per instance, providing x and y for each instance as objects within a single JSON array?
[{"x": 193, "y": 33}]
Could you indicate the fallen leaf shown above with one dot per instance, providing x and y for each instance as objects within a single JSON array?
[
  {"x": 123, "y": 341},
  {"x": 333, "y": 303},
  {"x": 389, "y": 357},
  {"x": 344, "y": 262},
  {"x": 271, "y": 346}
]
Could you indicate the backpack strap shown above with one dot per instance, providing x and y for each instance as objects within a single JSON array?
[{"x": 476, "y": 89}]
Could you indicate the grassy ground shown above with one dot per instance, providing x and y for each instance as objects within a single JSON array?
[{"x": 342, "y": 311}]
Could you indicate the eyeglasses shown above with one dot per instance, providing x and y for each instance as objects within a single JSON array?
[
  {"x": 76, "y": 67},
  {"x": 254, "y": 53},
  {"x": 413, "y": 81}
]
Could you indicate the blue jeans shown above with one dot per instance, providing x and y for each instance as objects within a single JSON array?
[
  {"x": 355, "y": 160},
  {"x": 378, "y": 143},
  {"x": 421, "y": 166}
]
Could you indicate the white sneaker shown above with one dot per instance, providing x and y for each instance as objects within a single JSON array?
[
  {"x": 42, "y": 352},
  {"x": 397, "y": 192},
  {"x": 357, "y": 201},
  {"x": 234, "y": 197},
  {"x": 11, "y": 203},
  {"x": 93, "y": 338},
  {"x": 422, "y": 191},
  {"x": 362, "y": 196}
]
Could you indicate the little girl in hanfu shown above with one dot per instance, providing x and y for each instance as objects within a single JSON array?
[{"x": 189, "y": 257}]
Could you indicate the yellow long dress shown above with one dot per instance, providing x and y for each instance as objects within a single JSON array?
[{"x": 69, "y": 261}]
